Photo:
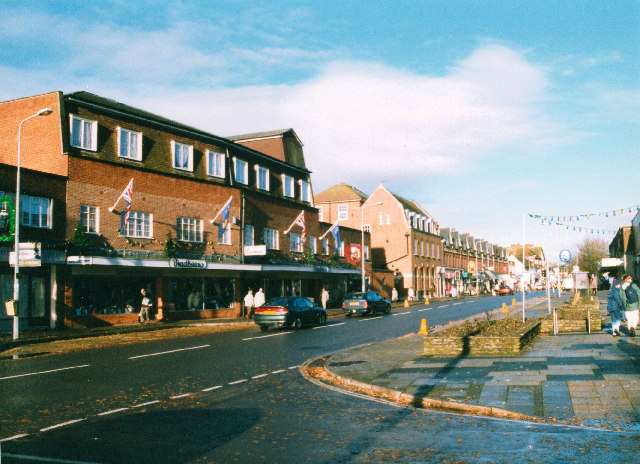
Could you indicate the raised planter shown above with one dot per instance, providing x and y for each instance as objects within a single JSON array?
[
  {"x": 574, "y": 319},
  {"x": 476, "y": 344}
]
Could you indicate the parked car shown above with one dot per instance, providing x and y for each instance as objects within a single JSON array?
[
  {"x": 505, "y": 290},
  {"x": 289, "y": 311},
  {"x": 367, "y": 303}
]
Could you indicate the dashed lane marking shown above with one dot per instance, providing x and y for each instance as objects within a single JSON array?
[
  {"x": 237, "y": 382},
  {"x": 184, "y": 395},
  {"x": 370, "y": 319},
  {"x": 15, "y": 437},
  {"x": 170, "y": 351},
  {"x": 211, "y": 388},
  {"x": 259, "y": 376},
  {"x": 400, "y": 314},
  {"x": 278, "y": 371},
  {"x": 145, "y": 404},
  {"x": 43, "y": 459},
  {"x": 62, "y": 424},
  {"x": 44, "y": 372},
  {"x": 113, "y": 411},
  {"x": 266, "y": 336},
  {"x": 294, "y": 367}
]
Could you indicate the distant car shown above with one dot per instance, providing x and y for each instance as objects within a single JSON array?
[
  {"x": 505, "y": 290},
  {"x": 367, "y": 303},
  {"x": 289, "y": 311}
]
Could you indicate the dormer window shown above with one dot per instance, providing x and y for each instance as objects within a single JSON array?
[
  {"x": 129, "y": 144},
  {"x": 262, "y": 177},
  {"x": 305, "y": 191},
  {"x": 287, "y": 186},
  {"x": 182, "y": 156},
  {"x": 84, "y": 133},
  {"x": 241, "y": 169},
  {"x": 215, "y": 164}
]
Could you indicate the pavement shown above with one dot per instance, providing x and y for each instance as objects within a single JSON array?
[{"x": 583, "y": 379}]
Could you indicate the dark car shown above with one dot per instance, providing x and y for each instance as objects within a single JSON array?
[
  {"x": 367, "y": 303},
  {"x": 505, "y": 290},
  {"x": 289, "y": 311}
]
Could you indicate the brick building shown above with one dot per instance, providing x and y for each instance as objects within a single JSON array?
[{"x": 75, "y": 165}]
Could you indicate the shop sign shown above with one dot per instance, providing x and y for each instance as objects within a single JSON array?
[
  {"x": 471, "y": 266},
  {"x": 255, "y": 250},
  {"x": 448, "y": 275},
  {"x": 321, "y": 268},
  {"x": 83, "y": 260},
  {"x": 29, "y": 255},
  {"x": 353, "y": 253},
  {"x": 188, "y": 263},
  {"x": 465, "y": 274}
]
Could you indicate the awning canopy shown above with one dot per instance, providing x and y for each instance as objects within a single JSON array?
[{"x": 490, "y": 274}]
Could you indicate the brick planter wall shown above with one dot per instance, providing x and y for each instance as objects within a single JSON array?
[
  {"x": 479, "y": 345},
  {"x": 574, "y": 325}
]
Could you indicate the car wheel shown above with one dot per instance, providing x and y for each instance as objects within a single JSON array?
[
  {"x": 387, "y": 310},
  {"x": 322, "y": 319},
  {"x": 297, "y": 324},
  {"x": 264, "y": 327},
  {"x": 348, "y": 315}
]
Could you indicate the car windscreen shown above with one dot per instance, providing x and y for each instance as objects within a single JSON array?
[
  {"x": 355, "y": 296},
  {"x": 281, "y": 301}
]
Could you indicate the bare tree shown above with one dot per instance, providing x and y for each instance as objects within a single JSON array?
[{"x": 590, "y": 254}]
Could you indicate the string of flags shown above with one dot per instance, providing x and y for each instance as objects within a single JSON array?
[{"x": 563, "y": 221}]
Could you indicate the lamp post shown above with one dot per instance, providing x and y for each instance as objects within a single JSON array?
[
  {"x": 16, "y": 271},
  {"x": 362, "y": 238}
]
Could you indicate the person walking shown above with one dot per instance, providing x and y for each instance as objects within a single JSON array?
[
  {"x": 258, "y": 299},
  {"x": 631, "y": 298},
  {"x": 615, "y": 306},
  {"x": 248, "y": 304},
  {"x": 145, "y": 304},
  {"x": 324, "y": 297},
  {"x": 394, "y": 294}
]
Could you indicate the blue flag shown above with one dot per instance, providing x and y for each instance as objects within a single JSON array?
[{"x": 335, "y": 231}]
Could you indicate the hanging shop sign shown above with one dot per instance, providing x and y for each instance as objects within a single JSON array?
[{"x": 353, "y": 253}]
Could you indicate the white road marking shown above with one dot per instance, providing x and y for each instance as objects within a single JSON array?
[
  {"x": 400, "y": 314},
  {"x": 113, "y": 411},
  {"x": 211, "y": 388},
  {"x": 259, "y": 376},
  {"x": 425, "y": 309},
  {"x": 167, "y": 352},
  {"x": 41, "y": 459},
  {"x": 175, "y": 397},
  {"x": 44, "y": 372},
  {"x": 237, "y": 382},
  {"x": 293, "y": 367},
  {"x": 443, "y": 306},
  {"x": 370, "y": 319},
  {"x": 15, "y": 437},
  {"x": 456, "y": 304},
  {"x": 278, "y": 371},
  {"x": 266, "y": 336},
  {"x": 62, "y": 424},
  {"x": 145, "y": 404}
]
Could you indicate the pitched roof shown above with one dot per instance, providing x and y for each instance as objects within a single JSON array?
[
  {"x": 340, "y": 192},
  {"x": 262, "y": 135}
]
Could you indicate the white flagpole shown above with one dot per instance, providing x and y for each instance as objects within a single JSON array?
[
  {"x": 293, "y": 223},
  {"x": 329, "y": 230},
  {"x": 114, "y": 205},
  {"x": 223, "y": 207}
]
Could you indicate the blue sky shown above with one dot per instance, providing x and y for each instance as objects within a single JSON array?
[{"x": 481, "y": 111}]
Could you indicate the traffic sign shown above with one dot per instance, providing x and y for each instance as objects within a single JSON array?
[
  {"x": 565, "y": 255},
  {"x": 353, "y": 253}
]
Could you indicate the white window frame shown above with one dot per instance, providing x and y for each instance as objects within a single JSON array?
[
  {"x": 244, "y": 171},
  {"x": 189, "y": 152},
  {"x": 27, "y": 202},
  {"x": 313, "y": 249},
  {"x": 212, "y": 156},
  {"x": 343, "y": 212},
  {"x": 320, "y": 214},
  {"x": 381, "y": 221},
  {"x": 305, "y": 191},
  {"x": 225, "y": 237},
  {"x": 295, "y": 242},
  {"x": 140, "y": 225},
  {"x": 127, "y": 147},
  {"x": 189, "y": 229},
  {"x": 415, "y": 247},
  {"x": 341, "y": 249},
  {"x": 262, "y": 170},
  {"x": 366, "y": 228},
  {"x": 271, "y": 238},
  {"x": 366, "y": 252},
  {"x": 325, "y": 246},
  {"x": 93, "y": 125},
  {"x": 90, "y": 214},
  {"x": 248, "y": 235},
  {"x": 288, "y": 186}
]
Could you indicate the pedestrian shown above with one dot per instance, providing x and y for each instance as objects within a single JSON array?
[
  {"x": 410, "y": 294},
  {"x": 258, "y": 299},
  {"x": 394, "y": 294},
  {"x": 324, "y": 297},
  {"x": 145, "y": 304},
  {"x": 631, "y": 298},
  {"x": 615, "y": 306},
  {"x": 248, "y": 304}
]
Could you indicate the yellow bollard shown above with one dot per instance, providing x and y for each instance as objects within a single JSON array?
[
  {"x": 424, "y": 328},
  {"x": 426, "y": 300},
  {"x": 513, "y": 303},
  {"x": 406, "y": 303},
  {"x": 504, "y": 308}
]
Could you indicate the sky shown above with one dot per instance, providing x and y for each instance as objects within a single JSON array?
[{"x": 493, "y": 115}]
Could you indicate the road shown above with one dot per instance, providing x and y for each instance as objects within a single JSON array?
[{"x": 239, "y": 397}]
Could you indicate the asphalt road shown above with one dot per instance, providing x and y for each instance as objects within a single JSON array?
[{"x": 239, "y": 397}]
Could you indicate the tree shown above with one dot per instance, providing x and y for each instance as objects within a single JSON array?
[{"x": 590, "y": 254}]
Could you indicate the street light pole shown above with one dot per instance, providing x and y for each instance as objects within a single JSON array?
[
  {"x": 362, "y": 237},
  {"x": 16, "y": 270}
]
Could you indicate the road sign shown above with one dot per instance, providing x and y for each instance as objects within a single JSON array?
[
  {"x": 353, "y": 253},
  {"x": 565, "y": 255}
]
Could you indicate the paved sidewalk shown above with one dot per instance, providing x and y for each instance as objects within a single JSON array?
[{"x": 580, "y": 378}]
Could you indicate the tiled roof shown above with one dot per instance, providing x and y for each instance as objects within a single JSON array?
[
  {"x": 259, "y": 135},
  {"x": 340, "y": 192}
]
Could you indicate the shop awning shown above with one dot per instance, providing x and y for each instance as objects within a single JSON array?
[{"x": 490, "y": 274}]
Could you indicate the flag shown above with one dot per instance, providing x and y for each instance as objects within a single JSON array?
[
  {"x": 335, "y": 231},
  {"x": 300, "y": 222},
  {"x": 224, "y": 213},
  {"x": 127, "y": 195}
]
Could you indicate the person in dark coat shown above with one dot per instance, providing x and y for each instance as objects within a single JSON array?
[{"x": 615, "y": 306}]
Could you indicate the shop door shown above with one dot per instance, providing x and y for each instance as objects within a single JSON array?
[{"x": 38, "y": 314}]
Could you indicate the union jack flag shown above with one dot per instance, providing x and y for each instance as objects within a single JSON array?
[
  {"x": 127, "y": 195},
  {"x": 300, "y": 222}
]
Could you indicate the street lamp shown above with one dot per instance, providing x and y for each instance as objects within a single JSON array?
[
  {"x": 16, "y": 282},
  {"x": 362, "y": 238}
]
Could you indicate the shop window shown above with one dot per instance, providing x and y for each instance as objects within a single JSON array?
[
  {"x": 189, "y": 229},
  {"x": 197, "y": 294},
  {"x": 89, "y": 218}
]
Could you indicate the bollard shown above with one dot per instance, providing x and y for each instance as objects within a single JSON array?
[
  {"x": 504, "y": 308},
  {"x": 424, "y": 328},
  {"x": 513, "y": 302},
  {"x": 406, "y": 303}
]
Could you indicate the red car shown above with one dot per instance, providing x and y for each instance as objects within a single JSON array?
[{"x": 505, "y": 290}]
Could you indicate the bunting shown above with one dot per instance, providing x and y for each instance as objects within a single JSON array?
[{"x": 572, "y": 223}]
